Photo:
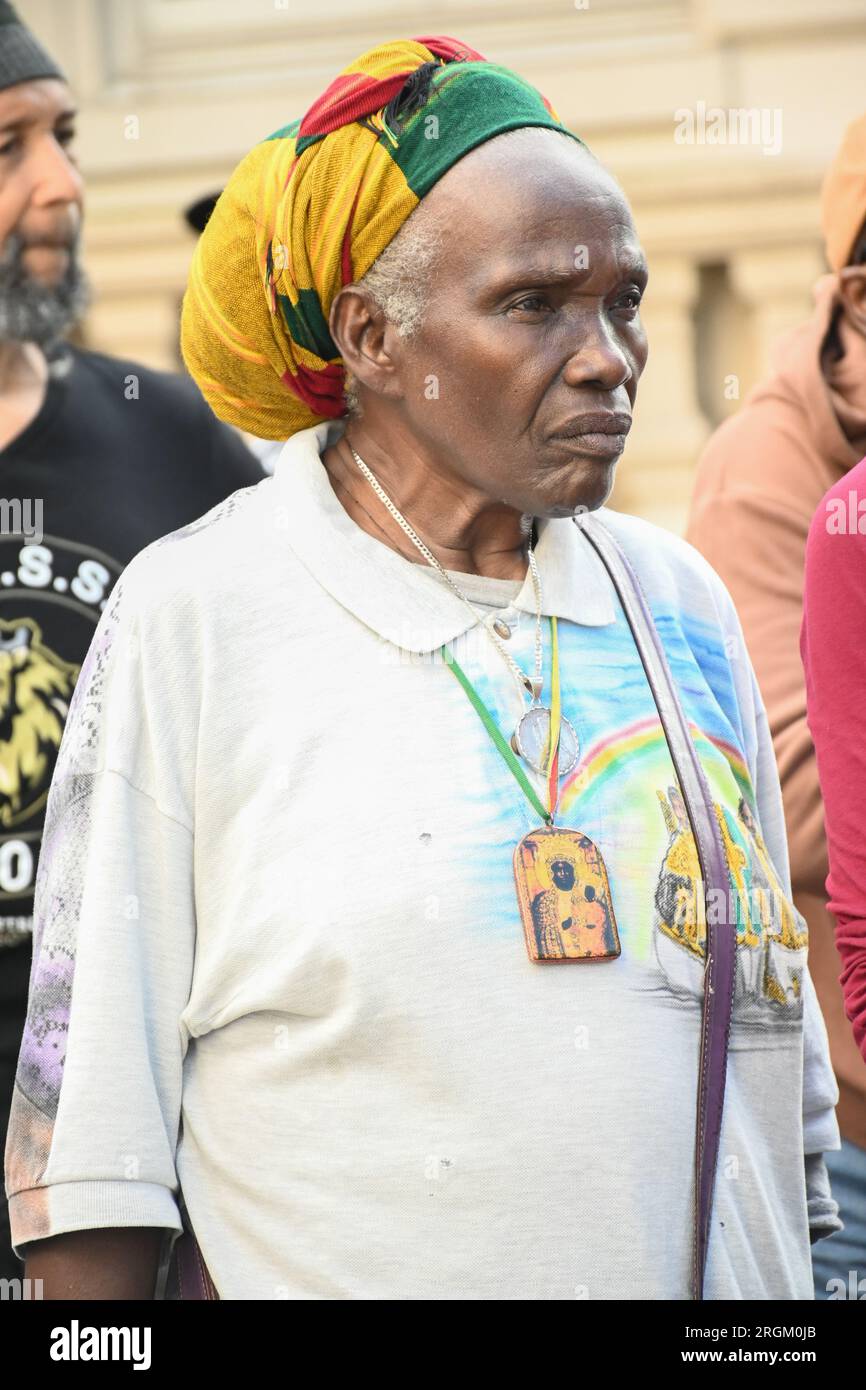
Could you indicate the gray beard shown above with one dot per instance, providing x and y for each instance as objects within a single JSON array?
[{"x": 31, "y": 312}]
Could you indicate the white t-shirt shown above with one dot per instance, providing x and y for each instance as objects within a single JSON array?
[{"x": 279, "y": 959}]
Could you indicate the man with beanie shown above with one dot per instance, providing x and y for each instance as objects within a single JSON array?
[
  {"x": 99, "y": 457},
  {"x": 760, "y": 480}
]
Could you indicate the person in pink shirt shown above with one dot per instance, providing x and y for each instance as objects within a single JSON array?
[{"x": 833, "y": 651}]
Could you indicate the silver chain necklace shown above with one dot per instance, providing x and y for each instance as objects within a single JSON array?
[{"x": 530, "y": 737}]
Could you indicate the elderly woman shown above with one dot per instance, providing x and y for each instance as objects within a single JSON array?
[{"x": 371, "y": 931}]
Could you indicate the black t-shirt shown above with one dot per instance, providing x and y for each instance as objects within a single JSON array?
[{"x": 117, "y": 456}]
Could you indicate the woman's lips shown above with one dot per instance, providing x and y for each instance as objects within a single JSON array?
[{"x": 594, "y": 443}]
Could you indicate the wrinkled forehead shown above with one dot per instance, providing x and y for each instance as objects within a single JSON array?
[{"x": 533, "y": 198}]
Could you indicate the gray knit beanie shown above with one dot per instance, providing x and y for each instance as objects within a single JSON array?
[{"x": 22, "y": 57}]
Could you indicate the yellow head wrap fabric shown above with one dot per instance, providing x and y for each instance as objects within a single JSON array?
[{"x": 309, "y": 210}]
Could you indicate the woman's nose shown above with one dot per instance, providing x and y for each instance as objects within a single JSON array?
[{"x": 598, "y": 358}]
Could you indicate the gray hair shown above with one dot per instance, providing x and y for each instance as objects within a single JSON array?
[{"x": 399, "y": 280}]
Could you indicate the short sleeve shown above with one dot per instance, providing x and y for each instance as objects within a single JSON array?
[{"x": 96, "y": 1104}]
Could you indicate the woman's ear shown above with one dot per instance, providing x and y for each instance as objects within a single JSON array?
[{"x": 361, "y": 334}]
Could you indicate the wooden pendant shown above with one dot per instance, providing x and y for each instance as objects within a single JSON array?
[{"x": 564, "y": 896}]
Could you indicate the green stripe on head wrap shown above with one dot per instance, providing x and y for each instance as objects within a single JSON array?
[{"x": 472, "y": 102}]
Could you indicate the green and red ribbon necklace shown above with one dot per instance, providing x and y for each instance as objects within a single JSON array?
[{"x": 550, "y": 759}]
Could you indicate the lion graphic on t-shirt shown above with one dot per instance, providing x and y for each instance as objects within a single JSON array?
[{"x": 36, "y": 687}]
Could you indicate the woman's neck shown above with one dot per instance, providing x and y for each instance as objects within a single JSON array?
[{"x": 466, "y": 532}]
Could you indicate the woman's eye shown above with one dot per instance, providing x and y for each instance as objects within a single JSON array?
[
  {"x": 635, "y": 296},
  {"x": 7, "y": 149},
  {"x": 530, "y": 302}
]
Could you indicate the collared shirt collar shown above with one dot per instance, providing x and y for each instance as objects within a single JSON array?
[{"x": 405, "y": 603}]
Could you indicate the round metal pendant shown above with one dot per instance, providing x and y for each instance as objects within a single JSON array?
[{"x": 531, "y": 735}]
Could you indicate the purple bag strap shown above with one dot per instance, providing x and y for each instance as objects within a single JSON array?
[
  {"x": 188, "y": 1277},
  {"x": 720, "y": 969}
]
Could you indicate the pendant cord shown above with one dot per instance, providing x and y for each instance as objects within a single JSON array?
[
  {"x": 555, "y": 723},
  {"x": 502, "y": 744}
]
